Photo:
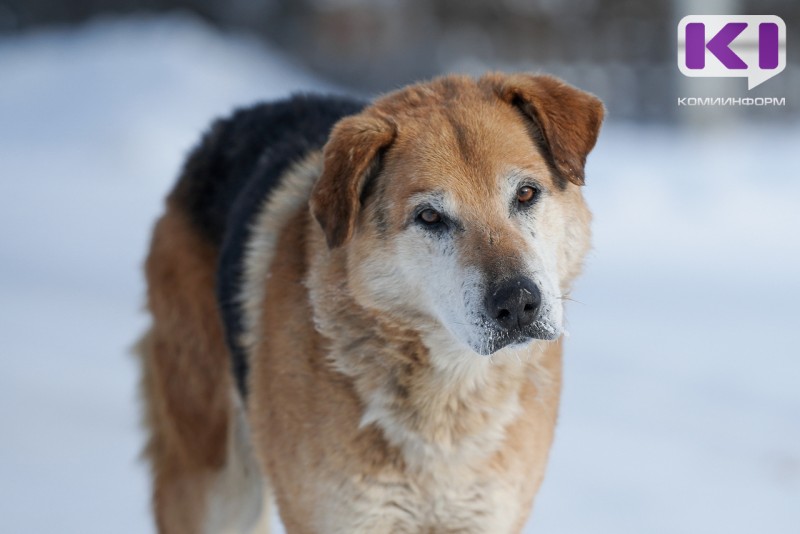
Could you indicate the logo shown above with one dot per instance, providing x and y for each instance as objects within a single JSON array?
[{"x": 732, "y": 46}]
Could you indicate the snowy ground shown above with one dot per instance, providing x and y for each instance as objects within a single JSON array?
[{"x": 681, "y": 410}]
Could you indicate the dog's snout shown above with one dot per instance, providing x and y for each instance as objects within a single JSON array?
[{"x": 514, "y": 303}]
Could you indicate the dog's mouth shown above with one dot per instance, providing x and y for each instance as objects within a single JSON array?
[{"x": 495, "y": 340}]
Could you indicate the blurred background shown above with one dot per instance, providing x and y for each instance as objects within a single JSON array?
[{"x": 681, "y": 407}]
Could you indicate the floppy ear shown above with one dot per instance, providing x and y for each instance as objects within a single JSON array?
[
  {"x": 352, "y": 153},
  {"x": 567, "y": 118}
]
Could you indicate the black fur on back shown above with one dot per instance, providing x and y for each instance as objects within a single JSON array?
[{"x": 229, "y": 177}]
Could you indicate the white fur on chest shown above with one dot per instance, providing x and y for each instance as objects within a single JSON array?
[
  {"x": 448, "y": 485},
  {"x": 474, "y": 506},
  {"x": 460, "y": 376}
]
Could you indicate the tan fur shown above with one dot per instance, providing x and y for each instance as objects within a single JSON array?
[
  {"x": 365, "y": 413},
  {"x": 186, "y": 383}
]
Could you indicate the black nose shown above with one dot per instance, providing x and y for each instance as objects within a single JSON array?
[{"x": 514, "y": 303}]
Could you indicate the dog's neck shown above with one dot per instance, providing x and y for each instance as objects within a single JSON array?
[{"x": 432, "y": 397}]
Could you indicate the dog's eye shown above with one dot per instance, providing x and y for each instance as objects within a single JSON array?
[
  {"x": 429, "y": 216},
  {"x": 526, "y": 194}
]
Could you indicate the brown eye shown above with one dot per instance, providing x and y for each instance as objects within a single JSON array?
[
  {"x": 525, "y": 194},
  {"x": 430, "y": 216}
]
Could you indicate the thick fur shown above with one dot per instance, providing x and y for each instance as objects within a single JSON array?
[{"x": 374, "y": 394}]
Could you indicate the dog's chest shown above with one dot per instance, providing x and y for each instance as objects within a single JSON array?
[{"x": 464, "y": 504}]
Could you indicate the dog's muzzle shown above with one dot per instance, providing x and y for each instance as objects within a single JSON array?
[{"x": 513, "y": 309}]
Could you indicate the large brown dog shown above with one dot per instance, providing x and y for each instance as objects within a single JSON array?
[{"x": 370, "y": 333}]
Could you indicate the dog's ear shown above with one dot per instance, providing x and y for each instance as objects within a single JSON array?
[
  {"x": 351, "y": 154},
  {"x": 567, "y": 120}
]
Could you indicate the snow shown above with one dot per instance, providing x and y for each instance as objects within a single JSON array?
[{"x": 681, "y": 407}]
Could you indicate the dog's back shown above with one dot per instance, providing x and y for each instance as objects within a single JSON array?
[
  {"x": 230, "y": 176},
  {"x": 198, "y": 447}
]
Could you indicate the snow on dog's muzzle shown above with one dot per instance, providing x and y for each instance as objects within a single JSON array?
[{"x": 513, "y": 314}]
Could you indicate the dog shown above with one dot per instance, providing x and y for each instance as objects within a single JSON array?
[{"x": 357, "y": 309}]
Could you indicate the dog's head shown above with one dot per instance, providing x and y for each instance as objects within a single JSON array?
[{"x": 458, "y": 204}]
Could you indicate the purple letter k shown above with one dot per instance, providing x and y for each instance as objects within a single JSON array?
[{"x": 718, "y": 45}]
